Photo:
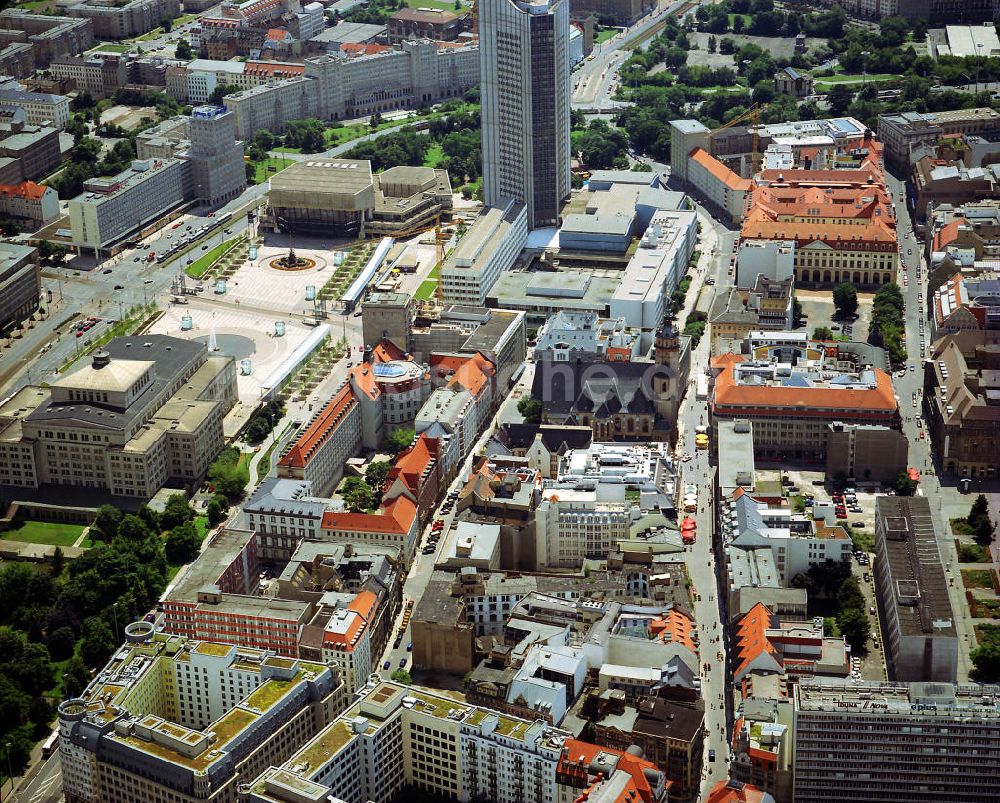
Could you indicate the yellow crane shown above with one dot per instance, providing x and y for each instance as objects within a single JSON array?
[{"x": 753, "y": 116}]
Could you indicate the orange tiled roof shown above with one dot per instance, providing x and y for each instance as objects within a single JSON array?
[
  {"x": 323, "y": 427},
  {"x": 396, "y": 518},
  {"x": 805, "y": 401},
  {"x": 411, "y": 464},
  {"x": 362, "y": 49},
  {"x": 734, "y": 792},
  {"x": 363, "y": 378},
  {"x": 946, "y": 235},
  {"x": 471, "y": 373},
  {"x": 273, "y": 68},
  {"x": 364, "y": 606},
  {"x": 840, "y": 236},
  {"x": 276, "y": 34},
  {"x": 387, "y": 351},
  {"x": 719, "y": 170},
  {"x": 675, "y": 627},
  {"x": 751, "y": 638},
  {"x": 778, "y": 202},
  {"x": 26, "y": 189},
  {"x": 867, "y": 172}
]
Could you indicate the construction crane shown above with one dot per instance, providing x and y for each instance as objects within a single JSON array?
[{"x": 753, "y": 115}]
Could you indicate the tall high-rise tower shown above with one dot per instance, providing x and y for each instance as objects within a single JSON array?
[{"x": 524, "y": 65}]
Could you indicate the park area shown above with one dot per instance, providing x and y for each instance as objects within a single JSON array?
[{"x": 50, "y": 533}]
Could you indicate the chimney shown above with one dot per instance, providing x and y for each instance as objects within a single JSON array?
[{"x": 101, "y": 359}]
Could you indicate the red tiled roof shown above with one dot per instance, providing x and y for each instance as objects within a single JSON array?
[
  {"x": 26, "y": 189},
  {"x": 324, "y": 426},
  {"x": 362, "y": 49},
  {"x": 395, "y": 518},
  {"x": 719, "y": 170},
  {"x": 804, "y": 402},
  {"x": 273, "y": 68},
  {"x": 411, "y": 464},
  {"x": 675, "y": 627},
  {"x": 842, "y": 236},
  {"x": 470, "y": 373},
  {"x": 735, "y": 792},
  {"x": 946, "y": 235},
  {"x": 364, "y": 379},
  {"x": 751, "y": 638}
]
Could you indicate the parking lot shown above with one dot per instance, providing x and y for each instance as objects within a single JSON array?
[
  {"x": 806, "y": 489},
  {"x": 818, "y": 309}
]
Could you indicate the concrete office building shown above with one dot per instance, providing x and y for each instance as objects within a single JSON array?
[
  {"x": 27, "y": 152},
  {"x": 344, "y": 197},
  {"x": 901, "y": 132},
  {"x": 868, "y": 741},
  {"x": 49, "y": 37},
  {"x": 20, "y": 285},
  {"x": 144, "y": 410},
  {"x": 39, "y": 108},
  {"x": 111, "y": 208},
  {"x": 122, "y": 20},
  {"x": 488, "y": 249},
  {"x": 173, "y": 719},
  {"x": 338, "y": 87},
  {"x": 387, "y": 316},
  {"x": 215, "y": 157},
  {"x": 195, "y": 158},
  {"x": 921, "y": 641},
  {"x": 100, "y": 74},
  {"x": 524, "y": 56}
]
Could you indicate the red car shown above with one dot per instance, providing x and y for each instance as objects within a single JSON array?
[{"x": 79, "y": 332}]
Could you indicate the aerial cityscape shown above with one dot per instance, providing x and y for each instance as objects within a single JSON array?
[{"x": 499, "y": 401}]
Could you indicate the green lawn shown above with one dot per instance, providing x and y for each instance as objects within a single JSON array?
[
  {"x": 605, "y": 34},
  {"x": 201, "y": 525},
  {"x": 972, "y": 553},
  {"x": 426, "y": 290},
  {"x": 200, "y": 266},
  {"x": 109, "y": 47},
  {"x": 854, "y": 78},
  {"x": 269, "y": 167},
  {"x": 444, "y": 5},
  {"x": 434, "y": 156},
  {"x": 978, "y": 578},
  {"x": 46, "y": 532}
]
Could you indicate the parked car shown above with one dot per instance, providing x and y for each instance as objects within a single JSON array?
[
  {"x": 387, "y": 664},
  {"x": 871, "y": 610},
  {"x": 857, "y": 524},
  {"x": 402, "y": 663}
]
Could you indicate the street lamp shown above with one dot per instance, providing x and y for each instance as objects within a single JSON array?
[
  {"x": 10, "y": 772},
  {"x": 114, "y": 613},
  {"x": 979, "y": 61}
]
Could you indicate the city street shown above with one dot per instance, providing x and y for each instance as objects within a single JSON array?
[{"x": 942, "y": 491}]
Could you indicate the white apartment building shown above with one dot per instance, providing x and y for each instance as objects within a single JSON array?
[
  {"x": 110, "y": 208},
  {"x": 40, "y": 108},
  {"x": 490, "y": 247},
  {"x": 204, "y": 75},
  {"x": 571, "y": 525},
  {"x": 654, "y": 271},
  {"x": 774, "y": 259},
  {"x": 347, "y": 640},
  {"x": 395, "y": 735},
  {"x": 797, "y": 542},
  {"x": 455, "y": 412}
]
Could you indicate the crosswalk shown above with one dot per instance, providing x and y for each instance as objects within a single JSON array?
[{"x": 48, "y": 790}]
